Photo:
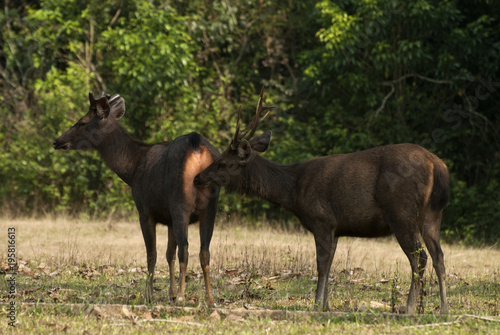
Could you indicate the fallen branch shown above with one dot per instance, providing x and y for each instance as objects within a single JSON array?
[
  {"x": 138, "y": 322},
  {"x": 431, "y": 325},
  {"x": 191, "y": 323},
  {"x": 458, "y": 319},
  {"x": 481, "y": 317}
]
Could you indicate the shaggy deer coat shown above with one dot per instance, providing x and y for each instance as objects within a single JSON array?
[{"x": 161, "y": 177}]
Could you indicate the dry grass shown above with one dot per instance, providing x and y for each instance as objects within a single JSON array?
[
  {"x": 103, "y": 263},
  {"x": 65, "y": 242}
]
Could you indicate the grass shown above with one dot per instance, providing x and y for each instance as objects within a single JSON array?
[{"x": 77, "y": 276}]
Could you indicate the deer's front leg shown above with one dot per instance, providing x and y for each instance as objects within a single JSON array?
[{"x": 148, "y": 227}]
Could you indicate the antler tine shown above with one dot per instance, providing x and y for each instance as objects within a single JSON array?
[
  {"x": 256, "y": 120},
  {"x": 236, "y": 137},
  {"x": 252, "y": 126}
]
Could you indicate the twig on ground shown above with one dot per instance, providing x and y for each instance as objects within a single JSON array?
[
  {"x": 172, "y": 321},
  {"x": 481, "y": 317}
]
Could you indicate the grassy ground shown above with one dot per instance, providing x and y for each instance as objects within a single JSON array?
[{"x": 89, "y": 277}]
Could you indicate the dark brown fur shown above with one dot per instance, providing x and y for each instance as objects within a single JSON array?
[
  {"x": 161, "y": 184},
  {"x": 396, "y": 189}
]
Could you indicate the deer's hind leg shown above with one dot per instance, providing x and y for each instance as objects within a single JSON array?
[
  {"x": 406, "y": 232},
  {"x": 430, "y": 234},
  {"x": 326, "y": 244},
  {"x": 171, "y": 248},
  {"x": 207, "y": 220},
  {"x": 180, "y": 222}
]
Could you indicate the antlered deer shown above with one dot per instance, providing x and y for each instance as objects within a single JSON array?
[
  {"x": 400, "y": 189},
  {"x": 161, "y": 177}
]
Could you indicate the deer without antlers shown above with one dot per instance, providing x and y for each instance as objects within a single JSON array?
[
  {"x": 394, "y": 189},
  {"x": 161, "y": 177}
]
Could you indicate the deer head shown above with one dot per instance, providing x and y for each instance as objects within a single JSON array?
[
  {"x": 89, "y": 131},
  {"x": 225, "y": 170}
]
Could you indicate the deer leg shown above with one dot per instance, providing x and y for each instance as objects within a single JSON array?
[
  {"x": 171, "y": 247},
  {"x": 326, "y": 245},
  {"x": 207, "y": 219},
  {"x": 180, "y": 223},
  {"x": 332, "y": 254},
  {"x": 430, "y": 235},
  {"x": 148, "y": 227},
  {"x": 408, "y": 238}
]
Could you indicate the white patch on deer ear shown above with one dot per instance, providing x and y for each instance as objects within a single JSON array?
[
  {"x": 244, "y": 152},
  {"x": 118, "y": 109}
]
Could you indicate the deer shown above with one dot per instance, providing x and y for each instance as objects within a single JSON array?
[
  {"x": 398, "y": 189},
  {"x": 161, "y": 179}
]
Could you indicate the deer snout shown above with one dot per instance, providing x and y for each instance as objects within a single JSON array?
[
  {"x": 59, "y": 145},
  {"x": 198, "y": 182}
]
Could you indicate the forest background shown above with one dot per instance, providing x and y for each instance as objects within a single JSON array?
[{"x": 344, "y": 76}]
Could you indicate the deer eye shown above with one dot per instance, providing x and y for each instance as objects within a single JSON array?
[
  {"x": 80, "y": 124},
  {"x": 221, "y": 165}
]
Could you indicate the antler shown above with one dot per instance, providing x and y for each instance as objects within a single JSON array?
[
  {"x": 252, "y": 126},
  {"x": 112, "y": 100}
]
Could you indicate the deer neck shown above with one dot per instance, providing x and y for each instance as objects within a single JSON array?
[
  {"x": 270, "y": 181},
  {"x": 121, "y": 153}
]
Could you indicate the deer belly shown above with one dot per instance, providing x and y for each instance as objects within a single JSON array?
[{"x": 364, "y": 227}]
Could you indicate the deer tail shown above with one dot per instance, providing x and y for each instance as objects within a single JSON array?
[
  {"x": 440, "y": 189},
  {"x": 194, "y": 140}
]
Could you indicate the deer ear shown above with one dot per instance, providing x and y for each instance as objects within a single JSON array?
[
  {"x": 92, "y": 101},
  {"x": 244, "y": 152},
  {"x": 102, "y": 108},
  {"x": 261, "y": 142},
  {"x": 117, "y": 108}
]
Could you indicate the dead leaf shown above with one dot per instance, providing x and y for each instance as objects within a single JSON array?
[
  {"x": 98, "y": 313},
  {"x": 400, "y": 310},
  {"x": 238, "y": 281},
  {"x": 289, "y": 275},
  {"x": 147, "y": 316},
  {"x": 127, "y": 313},
  {"x": 231, "y": 272},
  {"x": 258, "y": 286},
  {"x": 107, "y": 269},
  {"x": 24, "y": 269},
  {"x": 360, "y": 280},
  {"x": 214, "y": 316},
  {"x": 234, "y": 318},
  {"x": 31, "y": 290},
  {"x": 58, "y": 327},
  {"x": 376, "y": 304},
  {"x": 250, "y": 307},
  {"x": 185, "y": 318},
  {"x": 270, "y": 286},
  {"x": 4, "y": 267}
]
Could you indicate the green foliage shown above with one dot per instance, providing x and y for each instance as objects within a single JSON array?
[{"x": 343, "y": 75}]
